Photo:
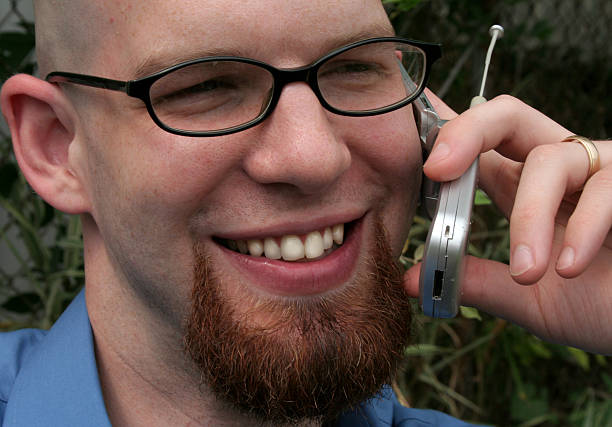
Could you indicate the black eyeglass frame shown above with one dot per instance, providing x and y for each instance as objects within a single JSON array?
[{"x": 140, "y": 88}]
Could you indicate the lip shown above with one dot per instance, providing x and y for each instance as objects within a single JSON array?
[
  {"x": 282, "y": 278},
  {"x": 282, "y": 229}
]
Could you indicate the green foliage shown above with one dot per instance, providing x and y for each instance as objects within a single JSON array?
[
  {"x": 402, "y": 5},
  {"x": 45, "y": 269},
  {"x": 477, "y": 367},
  {"x": 555, "y": 54},
  {"x": 474, "y": 367}
]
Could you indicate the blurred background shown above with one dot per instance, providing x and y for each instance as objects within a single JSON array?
[{"x": 555, "y": 55}]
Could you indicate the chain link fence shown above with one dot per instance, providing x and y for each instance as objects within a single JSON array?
[
  {"x": 555, "y": 55},
  {"x": 13, "y": 11},
  {"x": 11, "y": 14}
]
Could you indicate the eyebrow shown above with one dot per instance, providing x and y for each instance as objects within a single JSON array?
[{"x": 153, "y": 64}]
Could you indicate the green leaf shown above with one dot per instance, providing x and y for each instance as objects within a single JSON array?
[
  {"x": 424, "y": 350},
  {"x": 419, "y": 252},
  {"x": 470, "y": 313},
  {"x": 530, "y": 404},
  {"x": 539, "y": 348},
  {"x": 38, "y": 252},
  {"x": 581, "y": 357},
  {"x": 428, "y": 378},
  {"x": 481, "y": 198}
]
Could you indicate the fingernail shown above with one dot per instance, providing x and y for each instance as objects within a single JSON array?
[
  {"x": 439, "y": 153},
  {"x": 521, "y": 261},
  {"x": 566, "y": 258}
]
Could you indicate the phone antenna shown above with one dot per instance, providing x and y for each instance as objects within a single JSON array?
[{"x": 496, "y": 32}]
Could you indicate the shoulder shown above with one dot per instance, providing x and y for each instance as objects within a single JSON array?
[
  {"x": 51, "y": 378},
  {"x": 14, "y": 350},
  {"x": 385, "y": 410}
]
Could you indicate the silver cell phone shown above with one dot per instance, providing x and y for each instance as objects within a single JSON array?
[{"x": 449, "y": 205}]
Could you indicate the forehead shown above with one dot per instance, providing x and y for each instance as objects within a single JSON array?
[{"x": 146, "y": 36}]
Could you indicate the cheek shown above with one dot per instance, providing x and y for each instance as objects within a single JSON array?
[
  {"x": 135, "y": 161},
  {"x": 392, "y": 149},
  {"x": 146, "y": 190},
  {"x": 162, "y": 175},
  {"x": 390, "y": 145}
]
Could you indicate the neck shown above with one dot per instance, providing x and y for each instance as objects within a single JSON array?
[
  {"x": 142, "y": 394},
  {"x": 146, "y": 377}
]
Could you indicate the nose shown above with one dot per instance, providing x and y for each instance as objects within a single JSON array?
[{"x": 297, "y": 144}]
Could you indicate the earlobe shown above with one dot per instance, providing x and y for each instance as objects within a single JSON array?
[{"x": 42, "y": 124}]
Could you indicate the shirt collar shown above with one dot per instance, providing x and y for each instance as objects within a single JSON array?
[{"x": 58, "y": 383}]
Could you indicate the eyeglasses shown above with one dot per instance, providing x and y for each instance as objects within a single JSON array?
[{"x": 220, "y": 95}]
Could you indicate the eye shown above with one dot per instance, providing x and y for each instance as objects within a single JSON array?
[
  {"x": 347, "y": 69},
  {"x": 193, "y": 88}
]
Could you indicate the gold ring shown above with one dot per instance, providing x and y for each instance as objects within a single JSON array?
[{"x": 591, "y": 150}]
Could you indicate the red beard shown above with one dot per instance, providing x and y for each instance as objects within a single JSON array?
[{"x": 318, "y": 358}]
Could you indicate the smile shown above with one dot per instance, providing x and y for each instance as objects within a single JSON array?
[
  {"x": 299, "y": 263},
  {"x": 292, "y": 247}
]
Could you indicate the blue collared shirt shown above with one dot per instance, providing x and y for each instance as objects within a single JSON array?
[{"x": 50, "y": 378}]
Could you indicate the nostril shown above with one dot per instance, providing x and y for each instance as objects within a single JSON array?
[{"x": 297, "y": 144}]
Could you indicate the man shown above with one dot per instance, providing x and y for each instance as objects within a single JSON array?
[{"x": 214, "y": 294}]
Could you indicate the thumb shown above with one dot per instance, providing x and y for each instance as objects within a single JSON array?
[
  {"x": 411, "y": 280},
  {"x": 488, "y": 286}
]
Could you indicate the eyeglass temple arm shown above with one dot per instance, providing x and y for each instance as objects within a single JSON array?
[
  {"x": 85, "y": 80},
  {"x": 424, "y": 113}
]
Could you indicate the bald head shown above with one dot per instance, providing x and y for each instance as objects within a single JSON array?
[
  {"x": 69, "y": 35},
  {"x": 112, "y": 38}
]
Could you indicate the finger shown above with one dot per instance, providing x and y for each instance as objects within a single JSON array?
[
  {"x": 588, "y": 227},
  {"x": 504, "y": 123},
  {"x": 558, "y": 310},
  {"x": 488, "y": 286},
  {"x": 550, "y": 172},
  {"x": 499, "y": 178},
  {"x": 411, "y": 280}
]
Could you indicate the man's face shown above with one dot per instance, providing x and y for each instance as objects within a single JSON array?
[{"x": 304, "y": 170}]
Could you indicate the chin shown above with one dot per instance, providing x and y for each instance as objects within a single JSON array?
[{"x": 304, "y": 350}]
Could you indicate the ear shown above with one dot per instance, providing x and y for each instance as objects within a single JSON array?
[{"x": 42, "y": 122}]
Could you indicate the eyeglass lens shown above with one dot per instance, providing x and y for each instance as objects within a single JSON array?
[{"x": 222, "y": 94}]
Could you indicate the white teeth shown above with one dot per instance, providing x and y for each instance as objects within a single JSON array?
[
  {"x": 338, "y": 233},
  {"x": 256, "y": 247},
  {"x": 292, "y": 248},
  {"x": 271, "y": 248},
  {"x": 313, "y": 245},
  {"x": 328, "y": 240}
]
